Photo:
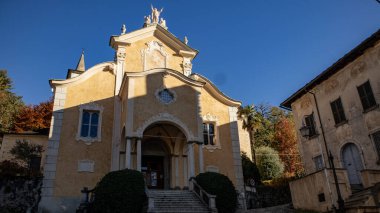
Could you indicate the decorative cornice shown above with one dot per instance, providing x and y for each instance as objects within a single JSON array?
[
  {"x": 153, "y": 30},
  {"x": 105, "y": 66},
  {"x": 171, "y": 72},
  {"x": 210, "y": 87}
]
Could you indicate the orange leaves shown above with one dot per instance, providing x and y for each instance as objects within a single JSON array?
[
  {"x": 285, "y": 134},
  {"x": 34, "y": 118}
]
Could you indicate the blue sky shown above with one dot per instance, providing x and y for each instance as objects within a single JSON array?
[{"x": 254, "y": 51}]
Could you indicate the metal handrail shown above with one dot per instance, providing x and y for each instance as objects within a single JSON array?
[{"x": 205, "y": 197}]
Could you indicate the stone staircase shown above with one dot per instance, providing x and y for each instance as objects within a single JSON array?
[
  {"x": 365, "y": 200},
  {"x": 177, "y": 201}
]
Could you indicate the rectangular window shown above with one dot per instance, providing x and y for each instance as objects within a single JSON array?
[
  {"x": 309, "y": 121},
  {"x": 318, "y": 162},
  {"x": 366, "y": 96},
  {"x": 90, "y": 122},
  {"x": 338, "y": 112},
  {"x": 376, "y": 140},
  {"x": 209, "y": 134}
]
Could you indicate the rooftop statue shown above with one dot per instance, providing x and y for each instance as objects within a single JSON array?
[
  {"x": 186, "y": 40},
  {"x": 163, "y": 23},
  {"x": 123, "y": 29},
  {"x": 156, "y": 14},
  {"x": 147, "y": 20}
]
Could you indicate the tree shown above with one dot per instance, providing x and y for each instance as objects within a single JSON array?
[
  {"x": 35, "y": 117},
  {"x": 285, "y": 134},
  {"x": 264, "y": 132},
  {"x": 269, "y": 163},
  {"x": 273, "y": 127},
  {"x": 250, "y": 123},
  {"x": 25, "y": 151},
  {"x": 10, "y": 104},
  {"x": 250, "y": 169}
]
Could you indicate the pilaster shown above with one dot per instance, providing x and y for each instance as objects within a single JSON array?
[{"x": 53, "y": 147}]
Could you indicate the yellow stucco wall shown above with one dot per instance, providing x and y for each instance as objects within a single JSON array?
[
  {"x": 221, "y": 158},
  {"x": 98, "y": 89},
  {"x": 146, "y": 105}
]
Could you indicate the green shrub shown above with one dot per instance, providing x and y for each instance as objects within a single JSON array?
[
  {"x": 120, "y": 191},
  {"x": 11, "y": 169},
  {"x": 269, "y": 163},
  {"x": 219, "y": 185},
  {"x": 250, "y": 169}
]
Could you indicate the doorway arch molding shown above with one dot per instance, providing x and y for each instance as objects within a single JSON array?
[
  {"x": 166, "y": 117},
  {"x": 343, "y": 144}
]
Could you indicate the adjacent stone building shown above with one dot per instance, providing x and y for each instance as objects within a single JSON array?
[
  {"x": 146, "y": 110},
  {"x": 38, "y": 138},
  {"x": 338, "y": 112}
]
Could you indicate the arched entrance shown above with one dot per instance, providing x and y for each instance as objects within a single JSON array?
[
  {"x": 352, "y": 163},
  {"x": 164, "y": 156}
]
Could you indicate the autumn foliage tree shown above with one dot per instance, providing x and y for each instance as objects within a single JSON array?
[
  {"x": 274, "y": 128},
  {"x": 34, "y": 117},
  {"x": 285, "y": 135}
]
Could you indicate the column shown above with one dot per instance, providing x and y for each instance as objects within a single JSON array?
[
  {"x": 185, "y": 177},
  {"x": 176, "y": 171},
  {"x": 191, "y": 159},
  {"x": 128, "y": 154},
  {"x": 200, "y": 152},
  {"x": 138, "y": 150}
]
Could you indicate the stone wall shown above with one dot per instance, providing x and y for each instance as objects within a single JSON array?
[{"x": 317, "y": 191}]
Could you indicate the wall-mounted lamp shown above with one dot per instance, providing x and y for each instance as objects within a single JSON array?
[{"x": 305, "y": 131}]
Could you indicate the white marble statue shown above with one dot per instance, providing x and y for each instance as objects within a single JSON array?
[
  {"x": 156, "y": 14},
  {"x": 147, "y": 20},
  {"x": 123, "y": 29},
  {"x": 186, "y": 40},
  {"x": 163, "y": 22}
]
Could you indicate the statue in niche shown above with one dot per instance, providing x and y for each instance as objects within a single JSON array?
[
  {"x": 156, "y": 14},
  {"x": 147, "y": 20}
]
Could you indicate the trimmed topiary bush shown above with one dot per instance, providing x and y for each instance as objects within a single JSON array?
[
  {"x": 269, "y": 163},
  {"x": 219, "y": 185},
  {"x": 120, "y": 191}
]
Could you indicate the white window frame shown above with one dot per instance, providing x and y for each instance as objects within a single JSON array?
[
  {"x": 90, "y": 107},
  {"x": 211, "y": 119}
]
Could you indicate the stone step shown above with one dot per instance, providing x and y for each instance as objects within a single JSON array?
[
  {"x": 180, "y": 211},
  {"x": 183, "y": 209},
  {"x": 362, "y": 192},
  {"x": 177, "y": 201}
]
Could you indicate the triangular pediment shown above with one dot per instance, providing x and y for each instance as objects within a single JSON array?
[{"x": 157, "y": 31}]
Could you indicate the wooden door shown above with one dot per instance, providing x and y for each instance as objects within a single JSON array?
[
  {"x": 153, "y": 171},
  {"x": 353, "y": 163}
]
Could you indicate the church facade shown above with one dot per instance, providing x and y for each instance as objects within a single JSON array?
[{"x": 147, "y": 111}]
